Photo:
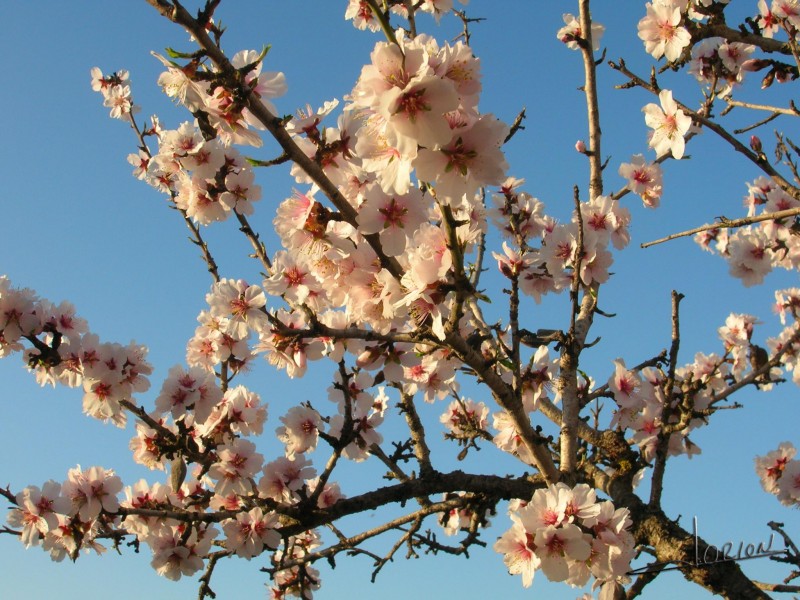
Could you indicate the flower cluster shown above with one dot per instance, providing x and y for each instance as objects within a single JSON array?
[
  {"x": 548, "y": 268},
  {"x": 568, "y": 534},
  {"x": 382, "y": 278},
  {"x": 64, "y": 351},
  {"x": 641, "y": 406},
  {"x": 716, "y": 61},
  {"x": 116, "y": 91},
  {"x": 66, "y": 517},
  {"x": 363, "y": 17},
  {"x": 202, "y": 173},
  {"x": 753, "y": 251}
]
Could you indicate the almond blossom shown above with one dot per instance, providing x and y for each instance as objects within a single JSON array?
[
  {"x": 283, "y": 477},
  {"x": 362, "y": 16},
  {"x": 92, "y": 491},
  {"x": 394, "y": 218},
  {"x": 250, "y": 532},
  {"x": 661, "y": 30},
  {"x": 517, "y": 549},
  {"x": 770, "y": 467},
  {"x": 571, "y": 32},
  {"x": 240, "y": 303},
  {"x": 470, "y": 160},
  {"x": 176, "y": 554},
  {"x": 567, "y": 534},
  {"x": 300, "y": 430},
  {"x": 37, "y": 511},
  {"x": 405, "y": 168},
  {"x": 465, "y": 416},
  {"x": 415, "y": 114},
  {"x": 236, "y": 466},
  {"x": 644, "y": 179},
  {"x": 669, "y": 124}
]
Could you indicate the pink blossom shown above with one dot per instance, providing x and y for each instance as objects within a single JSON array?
[
  {"x": 472, "y": 159},
  {"x": 176, "y": 554},
  {"x": 241, "y": 304},
  {"x": 37, "y": 511},
  {"x": 770, "y": 467},
  {"x": 241, "y": 192},
  {"x": 669, "y": 124},
  {"x": 555, "y": 546},
  {"x": 236, "y": 466},
  {"x": 118, "y": 100},
  {"x": 644, "y": 180},
  {"x": 250, "y": 532},
  {"x": 300, "y": 430},
  {"x": 362, "y": 16},
  {"x": 144, "y": 495},
  {"x": 789, "y": 484},
  {"x": 661, "y": 32},
  {"x": 571, "y": 33},
  {"x": 517, "y": 548},
  {"x": 283, "y": 477},
  {"x": 789, "y": 10},
  {"x": 92, "y": 491},
  {"x": 750, "y": 256},
  {"x": 624, "y": 385},
  {"x": 415, "y": 113},
  {"x": 393, "y": 217},
  {"x": 465, "y": 416},
  {"x": 240, "y": 412}
]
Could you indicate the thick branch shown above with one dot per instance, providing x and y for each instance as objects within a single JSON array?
[
  {"x": 734, "y": 35},
  {"x": 673, "y": 544}
]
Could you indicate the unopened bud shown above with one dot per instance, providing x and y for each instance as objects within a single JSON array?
[
  {"x": 580, "y": 146},
  {"x": 767, "y": 81},
  {"x": 755, "y": 144},
  {"x": 755, "y": 64},
  {"x": 782, "y": 75},
  {"x": 300, "y": 358},
  {"x": 368, "y": 356}
]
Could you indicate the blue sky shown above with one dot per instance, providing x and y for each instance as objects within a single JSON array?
[{"x": 78, "y": 226}]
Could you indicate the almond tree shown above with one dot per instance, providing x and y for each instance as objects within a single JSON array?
[{"x": 377, "y": 274}]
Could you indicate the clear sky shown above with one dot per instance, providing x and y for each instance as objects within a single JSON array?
[{"x": 77, "y": 226}]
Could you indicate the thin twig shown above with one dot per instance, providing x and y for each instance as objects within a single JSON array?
[
  {"x": 773, "y": 109},
  {"x": 724, "y": 223},
  {"x": 662, "y": 445}
]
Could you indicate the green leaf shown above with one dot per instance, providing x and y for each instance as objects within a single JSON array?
[{"x": 172, "y": 53}]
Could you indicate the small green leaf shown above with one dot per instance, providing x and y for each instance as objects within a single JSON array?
[{"x": 172, "y": 53}]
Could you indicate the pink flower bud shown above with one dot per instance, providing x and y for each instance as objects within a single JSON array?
[
  {"x": 755, "y": 64},
  {"x": 368, "y": 356},
  {"x": 782, "y": 75},
  {"x": 580, "y": 146},
  {"x": 755, "y": 144},
  {"x": 300, "y": 358}
]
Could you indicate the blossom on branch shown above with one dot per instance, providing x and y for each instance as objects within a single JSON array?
[{"x": 669, "y": 123}]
